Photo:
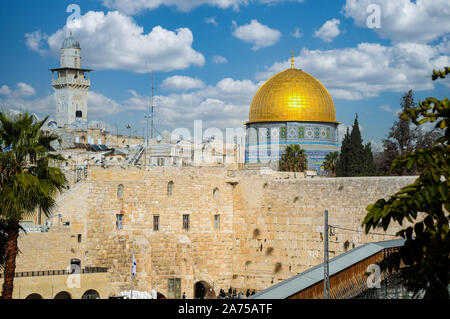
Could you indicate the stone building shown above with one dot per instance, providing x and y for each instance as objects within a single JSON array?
[{"x": 200, "y": 229}]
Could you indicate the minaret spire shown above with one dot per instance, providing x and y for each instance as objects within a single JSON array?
[{"x": 292, "y": 60}]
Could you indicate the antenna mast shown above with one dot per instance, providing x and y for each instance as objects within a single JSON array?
[
  {"x": 153, "y": 103},
  {"x": 150, "y": 115}
]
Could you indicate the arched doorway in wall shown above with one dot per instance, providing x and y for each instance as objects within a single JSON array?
[
  {"x": 63, "y": 295},
  {"x": 91, "y": 294},
  {"x": 203, "y": 290},
  {"x": 34, "y": 296},
  {"x": 75, "y": 266}
]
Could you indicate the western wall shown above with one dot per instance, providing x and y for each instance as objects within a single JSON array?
[{"x": 270, "y": 226}]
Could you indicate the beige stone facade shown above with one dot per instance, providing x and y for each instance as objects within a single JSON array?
[{"x": 247, "y": 229}]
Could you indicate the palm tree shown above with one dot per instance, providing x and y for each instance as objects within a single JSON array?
[
  {"x": 293, "y": 159},
  {"x": 27, "y": 182},
  {"x": 330, "y": 163}
]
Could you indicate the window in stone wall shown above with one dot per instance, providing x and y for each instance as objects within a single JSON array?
[
  {"x": 174, "y": 288},
  {"x": 120, "y": 189},
  {"x": 217, "y": 222},
  {"x": 186, "y": 222},
  {"x": 170, "y": 188},
  {"x": 156, "y": 222},
  {"x": 79, "y": 238},
  {"x": 119, "y": 221},
  {"x": 216, "y": 194}
]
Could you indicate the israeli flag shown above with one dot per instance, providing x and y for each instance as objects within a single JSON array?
[{"x": 133, "y": 271}]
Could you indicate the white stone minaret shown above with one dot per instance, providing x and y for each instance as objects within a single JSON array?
[{"x": 71, "y": 85}]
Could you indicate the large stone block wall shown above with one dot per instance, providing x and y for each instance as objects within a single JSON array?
[
  {"x": 201, "y": 253},
  {"x": 278, "y": 223},
  {"x": 44, "y": 251},
  {"x": 271, "y": 225}
]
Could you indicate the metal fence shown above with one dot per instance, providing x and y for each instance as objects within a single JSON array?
[
  {"x": 87, "y": 270},
  {"x": 390, "y": 288}
]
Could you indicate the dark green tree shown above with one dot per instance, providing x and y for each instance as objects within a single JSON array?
[
  {"x": 293, "y": 159},
  {"x": 356, "y": 163},
  {"x": 355, "y": 159},
  {"x": 342, "y": 166},
  {"x": 28, "y": 181},
  {"x": 423, "y": 262},
  {"x": 369, "y": 168}
]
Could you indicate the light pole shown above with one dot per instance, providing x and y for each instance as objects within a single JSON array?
[
  {"x": 326, "y": 271},
  {"x": 129, "y": 134}
]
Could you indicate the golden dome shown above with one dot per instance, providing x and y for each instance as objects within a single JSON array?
[{"x": 292, "y": 95}]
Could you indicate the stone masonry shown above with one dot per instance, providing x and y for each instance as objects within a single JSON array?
[{"x": 270, "y": 227}]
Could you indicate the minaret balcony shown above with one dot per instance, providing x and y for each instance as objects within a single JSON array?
[{"x": 71, "y": 81}]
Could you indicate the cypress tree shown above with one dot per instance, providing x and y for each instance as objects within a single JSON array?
[
  {"x": 355, "y": 159},
  {"x": 370, "y": 168},
  {"x": 342, "y": 165}
]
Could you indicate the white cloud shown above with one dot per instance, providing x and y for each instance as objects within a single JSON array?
[
  {"x": 297, "y": 34},
  {"x": 134, "y": 7},
  {"x": 259, "y": 35},
  {"x": 114, "y": 41},
  {"x": 211, "y": 20},
  {"x": 22, "y": 90},
  {"x": 5, "y": 90},
  {"x": 98, "y": 104},
  {"x": 328, "y": 31},
  {"x": 138, "y": 6},
  {"x": 218, "y": 59},
  {"x": 35, "y": 40},
  {"x": 385, "y": 108},
  {"x": 223, "y": 105},
  {"x": 182, "y": 83},
  {"x": 405, "y": 20},
  {"x": 370, "y": 69}
]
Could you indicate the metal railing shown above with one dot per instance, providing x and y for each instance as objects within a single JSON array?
[{"x": 42, "y": 273}]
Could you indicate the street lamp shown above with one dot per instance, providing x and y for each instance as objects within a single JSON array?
[{"x": 129, "y": 134}]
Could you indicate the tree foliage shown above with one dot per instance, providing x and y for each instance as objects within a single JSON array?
[
  {"x": 330, "y": 163},
  {"x": 355, "y": 158},
  {"x": 403, "y": 138},
  {"x": 293, "y": 159},
  {"x": 28, "y": 181},
  {"x": 423, "y": 261}
]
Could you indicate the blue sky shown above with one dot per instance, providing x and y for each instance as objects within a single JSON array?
[{"x": 210, "y": 56}]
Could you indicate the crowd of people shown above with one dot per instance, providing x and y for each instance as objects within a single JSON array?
[{"x": 233, "y": 294}]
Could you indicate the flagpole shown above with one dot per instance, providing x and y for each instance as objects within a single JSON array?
[{"x": 132, "y": 274}]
